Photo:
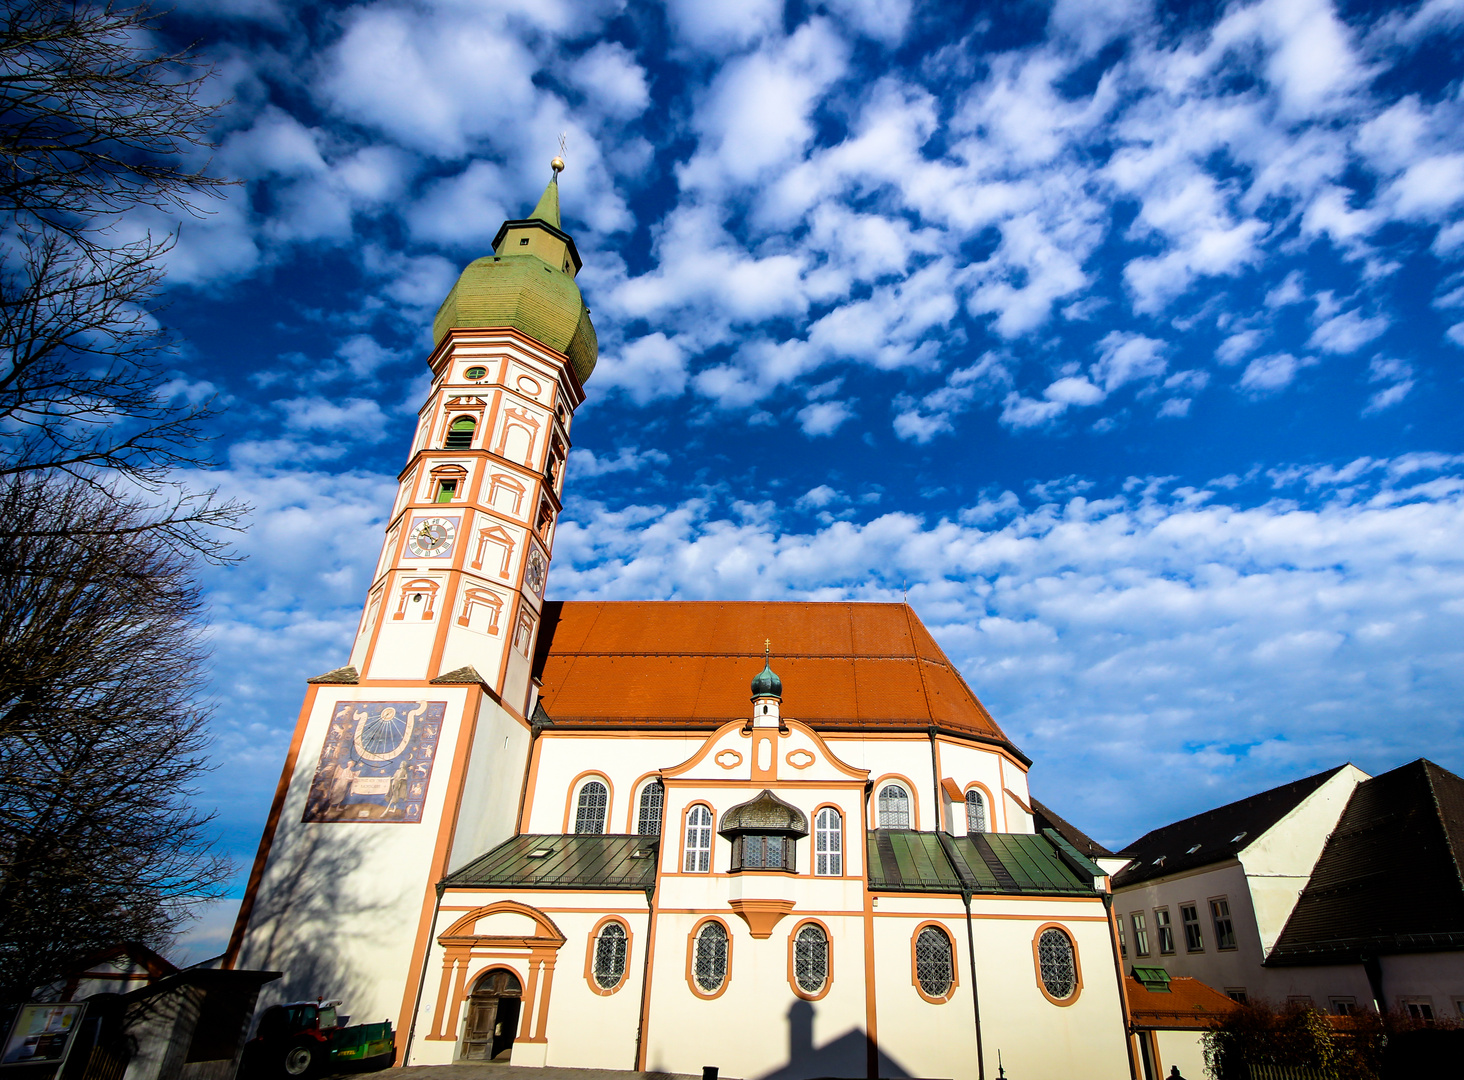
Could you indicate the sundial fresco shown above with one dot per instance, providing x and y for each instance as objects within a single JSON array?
[{"x": 376, "y": 763}]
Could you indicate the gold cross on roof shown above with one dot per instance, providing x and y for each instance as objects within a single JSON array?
[{"x": 767, "y": 646}]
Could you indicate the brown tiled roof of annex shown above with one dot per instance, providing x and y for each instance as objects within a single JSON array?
[
  {"x": 1187, "y": 1004},
  {"x": 671, "y": 663}
]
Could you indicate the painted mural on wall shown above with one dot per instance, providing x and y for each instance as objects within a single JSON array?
[{"x": 376, "y": 762}]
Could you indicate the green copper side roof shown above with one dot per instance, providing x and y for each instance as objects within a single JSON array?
[
  {"x": 1007, "y": 863},
  {"x": 547, "y": 208},
  {"x": 567, "y": 862},
  {"x": 517, "y": 288}
]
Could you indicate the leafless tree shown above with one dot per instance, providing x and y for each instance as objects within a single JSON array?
[
  {"x": 96, "y": 126},
  {"x": 101, "y": 733}
]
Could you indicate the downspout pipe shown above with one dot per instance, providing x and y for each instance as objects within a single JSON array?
[
  {"x": 422, "y": 982},
  {"x": 640, "y": 1024},
  {"x": 935, "y": 782},
  {"x": 1123, "y": 1002},
  {"x": 975, "y": 997}
]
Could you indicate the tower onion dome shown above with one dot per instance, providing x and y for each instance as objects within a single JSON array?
[
  {"x": 767, "y": 684},
  {"x": 527, "y": 284}
]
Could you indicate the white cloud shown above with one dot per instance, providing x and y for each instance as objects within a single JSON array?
[
  {"x": 824, "y": 417},
  {"x": 359, "y": 418},
  {"x": 1072, "y": 390},
  {"x": 646, "y": 369},
  {"x": 611, "y": 80},
  {"x": 586, "y": 464},
  {"x": 1125, "y": 357},
  {"x": 718, "y": 27},
  {"x": 1023, "y": 412},
  {"x": 1266, "y": 374},
  {"x": 1347, "y": 332}
]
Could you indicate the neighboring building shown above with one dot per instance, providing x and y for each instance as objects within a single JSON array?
[
  {"x": 1336, "y": 890},
  {"x": 1170, "y": 1017},
  {"x": 598, "y": 835},
  {"x": 123, "y": 967}
]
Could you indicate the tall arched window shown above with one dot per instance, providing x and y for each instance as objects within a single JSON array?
[
  {"x": 811, "y": 958},
  {"x": 1056, "y": 963},
  {"x": 698, "y": 841},
  {"x": 460, "y": 434},
  {"x": 609, "y": 966},
  {"x": 709, "y": 960},
  {"x": 828, "y": 842},
  {"x": 652, "y": 798},
  {"x": 894, "y": 807},
  {"x": 589, "y": 813},
  {"x": 975, "y": 812},
  {"x": 935, "y": 966}
]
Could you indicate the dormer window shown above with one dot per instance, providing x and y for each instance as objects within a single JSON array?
[{"x": 460, "y": 434}]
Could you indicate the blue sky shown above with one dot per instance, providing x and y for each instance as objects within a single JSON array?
[{"x": 1127, "y": 337}]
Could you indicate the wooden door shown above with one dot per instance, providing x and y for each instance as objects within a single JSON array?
[{"x": 492, "y": 1020}]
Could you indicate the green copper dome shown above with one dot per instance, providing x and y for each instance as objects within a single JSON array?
[
  {"x": 767, "y": 684},
  {"x": 527, "y": 285}
]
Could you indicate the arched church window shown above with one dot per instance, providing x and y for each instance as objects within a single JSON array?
[
  {"x": 1057, "y": 963},
  {"x": 935, "y": 966},
  {"x": 460, "y": 434},
  {"x": 709, "y": 958},
  {"x": 975, "y": 812},
  {"x": 894, "y": 807},
  {"x": 698, "y": 846},
  {"x": 610, "y": 949},
  {"x": 652, "y": 798},
  {"x": 590, "y": 809},
  {"x": 811, "y": 958},
  {"x": 828, "y": 842}
]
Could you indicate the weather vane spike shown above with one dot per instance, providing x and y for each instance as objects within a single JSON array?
[{"x": 558, "y": 163}]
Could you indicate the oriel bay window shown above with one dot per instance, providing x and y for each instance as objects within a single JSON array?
[{"x": 764, "y": 833}]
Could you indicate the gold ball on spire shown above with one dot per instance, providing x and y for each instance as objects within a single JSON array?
[{"x": 557, "y": 165}]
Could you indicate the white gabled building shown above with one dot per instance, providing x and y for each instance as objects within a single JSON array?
[{"x": 598, "y": 835}]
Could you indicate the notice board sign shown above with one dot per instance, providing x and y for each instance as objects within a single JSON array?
[{"x": 42, "y": 1033}]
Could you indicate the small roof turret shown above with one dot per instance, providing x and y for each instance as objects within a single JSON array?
[{"x": 766, "y": 682}]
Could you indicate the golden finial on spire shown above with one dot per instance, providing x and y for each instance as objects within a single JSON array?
[
  {"x": 558, "y": 163},
  {"x": 767, "y": 646}
]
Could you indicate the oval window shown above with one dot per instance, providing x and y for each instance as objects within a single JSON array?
[
  {"x": 1055, "y": 961},
  {"x": 709, "y": 966},
  {"x": 935, "y": 967},
  {"x": 610, "y": 956},
  {"x": 475, "y": 373},
  {"x": 811, "y": 959}
]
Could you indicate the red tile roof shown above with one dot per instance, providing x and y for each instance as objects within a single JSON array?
[
  {"x": 844, "y": 666},
  {"x": 1190, "y": 1004}
]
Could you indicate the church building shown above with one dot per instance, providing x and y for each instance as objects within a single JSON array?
[{"x": 783, "y": 839}]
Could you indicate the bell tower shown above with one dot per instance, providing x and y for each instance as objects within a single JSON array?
[
  {"x": 408, "y": 760},
  {"x": 460, "y": 582}
]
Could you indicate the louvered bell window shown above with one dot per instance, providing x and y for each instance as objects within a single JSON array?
[{"x": 460, "y": 434}]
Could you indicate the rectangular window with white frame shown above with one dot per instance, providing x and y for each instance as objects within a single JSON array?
[
  {"x": 1237, "y": 994},
  {"x": 1343, "y": 1006},
  {"x": 1224, "y": 926},
  {"x": 1141, "y": 933},
  {"x": 1189, "y": 914},
  {"x": 1417, "y": 1008},
  {"x": 1165, "y": 930}
]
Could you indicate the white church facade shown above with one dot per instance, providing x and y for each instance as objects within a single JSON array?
[{"x": 632, "y": 835}]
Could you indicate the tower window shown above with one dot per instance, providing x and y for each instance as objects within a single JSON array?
[
  {"x": 935, "y": 966},
  {"x": 446, "y": 490},
  {"x": 652, "y": 798},
  {"x": 524, "y": 242},
  {"x": 828, "y": 843},
  {"x": 475, "y": 373},
  {"x": 460, "y": 434},
  {"x": 589, "y": 815},
  {"x": 975, "y": 812},
  {"x": 894, "y": 807}
]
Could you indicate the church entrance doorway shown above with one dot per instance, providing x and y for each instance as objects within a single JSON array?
[{"x": 493, "y": 1013}]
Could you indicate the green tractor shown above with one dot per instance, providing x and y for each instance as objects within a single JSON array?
[{"x": 309, "y": 1038}]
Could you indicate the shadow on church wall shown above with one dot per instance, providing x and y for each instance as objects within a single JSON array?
[
  {"x": 844, "y": 1056},
  {"x": 308, "y": 924}
]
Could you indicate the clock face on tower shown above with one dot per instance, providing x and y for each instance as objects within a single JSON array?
[
  {"x": 535, "y": 572},
  {"x": 431, "y": 538}
]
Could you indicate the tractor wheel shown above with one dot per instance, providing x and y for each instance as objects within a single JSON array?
[{"x": 300, "y": 1060}]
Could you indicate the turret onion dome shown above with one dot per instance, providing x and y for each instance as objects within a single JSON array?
[
  {"x": 527, "y": 284},
  {"x": 766, "y": 813},
  {"x": 767, "y": 684}
]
